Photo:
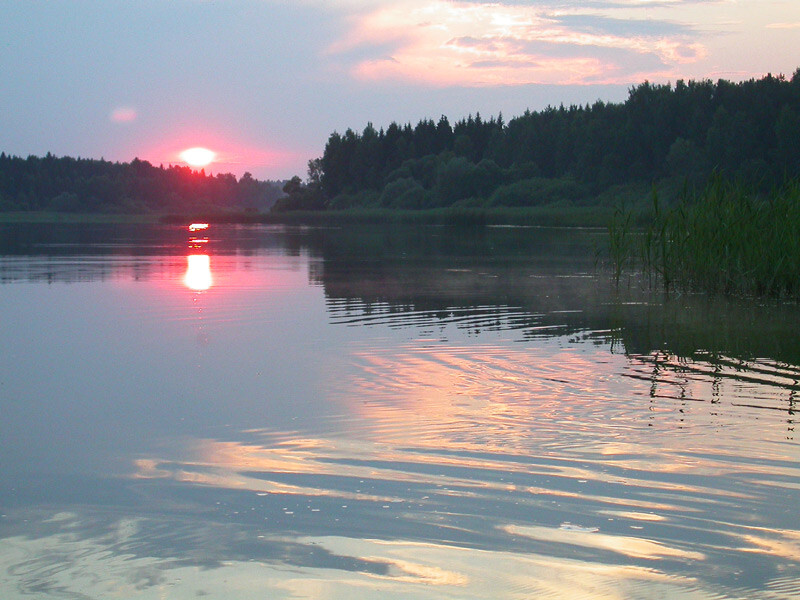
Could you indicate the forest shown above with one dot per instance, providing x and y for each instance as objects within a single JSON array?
[
  {"x": 671, "y": 136},
  {"x": 79, "y": 185}
]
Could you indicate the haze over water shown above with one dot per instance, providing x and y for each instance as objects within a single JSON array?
[{"x": 384, "y": 413}]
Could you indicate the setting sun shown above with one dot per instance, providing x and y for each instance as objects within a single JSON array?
[{"x": 198, "y": 157}]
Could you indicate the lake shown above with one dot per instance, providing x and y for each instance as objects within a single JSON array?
[{"x": 384, "y": 412}]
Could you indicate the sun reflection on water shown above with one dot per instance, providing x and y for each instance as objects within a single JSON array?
[
  {"x": 198, "y": 272},
  {"x": 198, "y": 269}
]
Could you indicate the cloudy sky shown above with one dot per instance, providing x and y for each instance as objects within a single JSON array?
[{"x": 263, "y": 83}]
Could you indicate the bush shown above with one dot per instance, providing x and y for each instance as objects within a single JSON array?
[
  {"x": 362, "y": 199},
  {"x": 403, "y": 193},
  {"x": 65, "y": 202},
  {"x": 537, "y": 191},
  {"x": 6, "y": 205},
  {"x": 458, "y": 179}
]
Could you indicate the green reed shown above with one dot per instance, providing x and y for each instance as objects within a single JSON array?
[
  {"x": 726, "y": 239},
  {"x": 620, "y": 240}
]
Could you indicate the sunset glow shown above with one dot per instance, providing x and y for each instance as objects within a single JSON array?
[
  {"x": 360, "y": 62},
  {"x": 198, "y": 157}
]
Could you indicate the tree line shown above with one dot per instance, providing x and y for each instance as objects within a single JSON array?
[
  {"x": 672, "y": 136},
  {"x": 65, "y": 184},
  {"x": 675, "y": 135}
]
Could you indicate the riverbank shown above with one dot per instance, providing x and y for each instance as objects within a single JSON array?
[
  {"x": 546, "y": 216},
  {"x": 552, "y": 216},
  {"x": 68, "y": 217}
]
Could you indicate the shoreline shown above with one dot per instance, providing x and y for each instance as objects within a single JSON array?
[{"x": 592, "y": 216}]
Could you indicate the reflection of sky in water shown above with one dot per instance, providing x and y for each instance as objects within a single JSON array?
[{"x": 270, "y": 435}]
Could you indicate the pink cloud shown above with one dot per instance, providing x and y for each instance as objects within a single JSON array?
[
  {"x": 441, "y": 43},
  {"x": 123, "y": 114},
  {"x": 681, "y": 53},
  {"x": 795, "y": 25}
]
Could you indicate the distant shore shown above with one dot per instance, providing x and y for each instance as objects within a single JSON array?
[
  {"x": 590, "y": 216},
  {"x": 71, "y": 217}
]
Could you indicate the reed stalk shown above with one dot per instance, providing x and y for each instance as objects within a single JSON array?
[{"x": 726, "y": 239}]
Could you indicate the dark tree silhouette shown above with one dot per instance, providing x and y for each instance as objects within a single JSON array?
[
  {"x": 83, "y": 185},
  {"x": 746, "y": 130}
]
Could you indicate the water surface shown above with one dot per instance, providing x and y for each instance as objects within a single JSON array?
[{"x": 384, "y": 413}]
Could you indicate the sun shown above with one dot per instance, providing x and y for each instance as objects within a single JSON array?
[{"x": 198, "y": 157}]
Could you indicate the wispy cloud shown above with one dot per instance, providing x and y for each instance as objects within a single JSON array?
[
  {"x": 784, "y": 25},
  {"x": 123, "y": 114},
  {"x": 473, "y": 43}
]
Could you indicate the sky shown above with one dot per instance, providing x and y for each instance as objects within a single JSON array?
[{"x": 263, "y": 83}]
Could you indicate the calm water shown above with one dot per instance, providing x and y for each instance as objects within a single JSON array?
[{"x": 384, "y": 413}]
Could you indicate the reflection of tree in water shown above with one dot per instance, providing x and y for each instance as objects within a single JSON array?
[
  {"x": 721, "y": 343},
  {"x": 535, "y": 282},
  {"x": 725, "y": 340},
  {"x": 758, "y": 384},
  {"x": 473, "y": 298},
  {"x": 744, "y": 354},
  {"x": 563, "y": 296},
  {"x": 477, "y": 279}
]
